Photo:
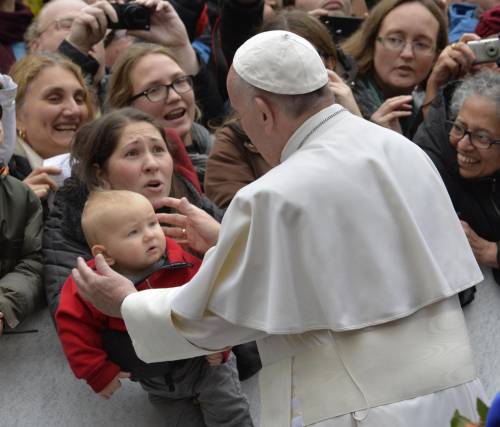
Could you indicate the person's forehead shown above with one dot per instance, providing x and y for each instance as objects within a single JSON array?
[{"x": 60, "y": 9}]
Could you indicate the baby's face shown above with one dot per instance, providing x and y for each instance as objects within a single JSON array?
[{"x": 135, "y": 240}]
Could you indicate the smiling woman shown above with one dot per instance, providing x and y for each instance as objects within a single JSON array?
[
  {"x": 52, "y": 103},
  {"x": 469, "y": 162}
]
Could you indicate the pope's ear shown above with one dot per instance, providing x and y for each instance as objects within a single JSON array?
[
  {"x": 265, "y": 113},
  {"x": 101, "y": 249}
]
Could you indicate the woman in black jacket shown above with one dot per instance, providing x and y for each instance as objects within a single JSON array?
[{"x": 463, "y": 140}]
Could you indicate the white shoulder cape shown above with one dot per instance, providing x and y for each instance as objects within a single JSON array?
[{"x": 353, "y": 228}]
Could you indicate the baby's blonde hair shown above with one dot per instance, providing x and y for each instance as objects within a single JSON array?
[{"x": 99, "y": 208}]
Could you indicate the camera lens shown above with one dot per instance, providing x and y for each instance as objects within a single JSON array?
[{"x": 492, "y": 51}]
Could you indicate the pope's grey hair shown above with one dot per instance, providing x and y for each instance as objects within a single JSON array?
[
  {"x": 293, "y": 105},
  {"x": 485, "y": 84}
]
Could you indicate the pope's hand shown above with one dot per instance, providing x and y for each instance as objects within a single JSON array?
[
  {"x": 105, "y": 289},
  {"x": 191, "y": 226}
]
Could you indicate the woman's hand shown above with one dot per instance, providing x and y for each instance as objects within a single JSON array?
[
  {"x": 484, "y": 250},
  {"x": 452, "y": 63},
  {"x": 342, "y": 92},
  {"x": 40, "y": 182},
  {"x": 191, "y": 226},
  {"x": 114, "y": 385},
  {"x": 167, "y": 29},
  {"x": 389, "y": 113}
]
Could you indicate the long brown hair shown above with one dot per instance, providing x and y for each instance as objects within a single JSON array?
[{"x": 361, "y": 45}]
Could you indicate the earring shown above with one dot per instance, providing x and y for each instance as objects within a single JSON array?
[{"x": 22, "y": 134}]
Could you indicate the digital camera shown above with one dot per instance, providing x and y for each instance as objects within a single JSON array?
[
  {"x": 131, "y": 16},
  {"x": 486, "y": 50}
]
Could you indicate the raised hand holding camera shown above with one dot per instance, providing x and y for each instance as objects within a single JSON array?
[
  {"x": 90, "y": 26},
  {"x": 167, "y": 29}
]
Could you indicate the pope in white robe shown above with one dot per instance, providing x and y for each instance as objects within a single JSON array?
[{"x": 343, "y": 263}]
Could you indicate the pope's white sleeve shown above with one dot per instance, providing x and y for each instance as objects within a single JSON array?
[{"x": 158, "y": 334}]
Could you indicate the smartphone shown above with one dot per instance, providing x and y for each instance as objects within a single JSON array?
[
  {"x": 341, "y": 27},
  {"x": 486, "y": 50}
]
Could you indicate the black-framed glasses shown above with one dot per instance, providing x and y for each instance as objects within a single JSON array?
[
  {"x": 159, "y": 93},
  {"x": 397, "y": 44},
  {"x": 478, "y": 139}
]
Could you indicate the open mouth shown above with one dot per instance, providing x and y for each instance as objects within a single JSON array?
[
  {"x": 464, "y": 160},
  {"x": 64, "y": 127},
  {"x": 175, "y": 114},
  {"x": 155, "y": 184}
]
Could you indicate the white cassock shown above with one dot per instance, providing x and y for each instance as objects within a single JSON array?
[{"x": 343, "y": 263}]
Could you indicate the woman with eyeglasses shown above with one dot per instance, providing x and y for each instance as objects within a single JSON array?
[
  {"x": 395, "y": 49},
  {"x": 469, "y": 162},
  {"x": 148, "y": 77}
]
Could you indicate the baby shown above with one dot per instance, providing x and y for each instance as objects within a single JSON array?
[{"x": 122, "y": 226}]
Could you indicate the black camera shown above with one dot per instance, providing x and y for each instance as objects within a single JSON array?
[{"x": 131, "y": 16}]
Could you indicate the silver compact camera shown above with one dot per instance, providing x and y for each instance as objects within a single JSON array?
[{"x": 486, "y": 50}]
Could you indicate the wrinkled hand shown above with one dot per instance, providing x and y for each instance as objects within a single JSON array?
[
  {"x": 1, "y": 323},
  {"x": 342, "y": 92},
  {"x": 389, "y": 113},
  {"x": 167, "y": 29},
  {"x": 40, "y": 182},
  {"x": 191, "y": 226},
  {"x": 114, "y": 385},
  {"x": 105, "y": 289},
  {"x": 90, "y": 26},
  {"x": 484, "y": 250},
  {"x": 452, "y": 63},
  {"x": 214, "y": 359}
]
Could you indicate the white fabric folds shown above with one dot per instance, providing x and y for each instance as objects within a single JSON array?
[{"x": 367, "y": 227}]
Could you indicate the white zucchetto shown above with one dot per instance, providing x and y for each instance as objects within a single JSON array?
[{"x": 280, "y": 62}]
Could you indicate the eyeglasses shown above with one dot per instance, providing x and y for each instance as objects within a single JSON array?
[
  {"x": 398, "y": 44},
  {"x": 477, "y": 139},
  {"x": 159, "y": 93},
  {"x": 61, "y": 24}
]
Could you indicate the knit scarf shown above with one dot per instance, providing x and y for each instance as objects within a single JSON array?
[{"x": 12, "y": 28}]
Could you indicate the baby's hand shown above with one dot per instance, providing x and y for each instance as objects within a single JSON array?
[
  {"x": 215, "y": 359},
  {"x": 114, "y": 385},
  {"x": 1, "y": 323}
]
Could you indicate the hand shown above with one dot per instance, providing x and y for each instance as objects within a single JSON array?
[
  {"x": 105, "y": 289},
  {"x": 1, "y": 323},
  {"x": 191, "y": 226},
  {"x": 342, "y": 92},
  {"x": 90, "y": 26},
  {"x": 389, "y": 113},
  {"x": 452, "y": 63},
  {"x": 40, "y": 182},
  {"x": 114, "y": 385},
  {"x": 167, "y": 29},
  {"x": 214, "y": 359},
  {"x": 319, "y": 12},
  {"x": 484, "y": 250}
]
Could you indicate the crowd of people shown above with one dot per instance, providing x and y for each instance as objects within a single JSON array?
[{"x": 284, "y": 198}]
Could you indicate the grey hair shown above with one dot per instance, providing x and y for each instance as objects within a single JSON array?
[
  {"x": 485, "y": 84},
  {"x": 293, "y": 105}
]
